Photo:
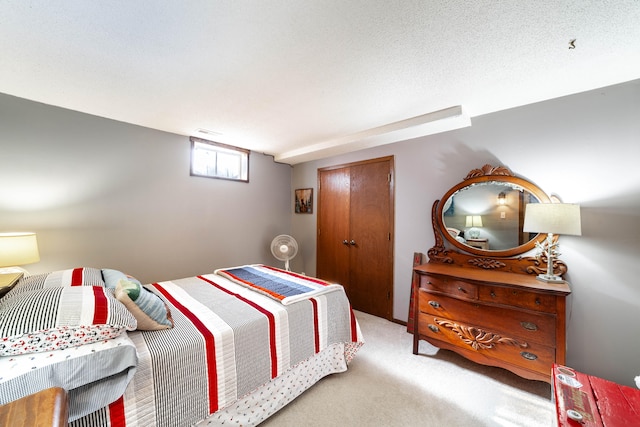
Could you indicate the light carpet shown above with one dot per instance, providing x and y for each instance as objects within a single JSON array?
[{"x": 387, "y": 385}]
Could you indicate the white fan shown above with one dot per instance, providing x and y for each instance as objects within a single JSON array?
[{"x": 284, "y": 248}]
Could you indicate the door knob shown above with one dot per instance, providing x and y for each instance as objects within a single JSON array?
[
  {"x": 345, "y": 242},
  {"x": 353, "y": 243}
]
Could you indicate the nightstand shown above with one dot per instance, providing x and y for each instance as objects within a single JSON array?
[
  {"x": 8, "y": 281},
  {"x": 479, "y": 243},
  {"x": 46, "y": 408}
]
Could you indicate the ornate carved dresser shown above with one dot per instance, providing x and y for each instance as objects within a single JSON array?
[{"x": 487, "y": 305}]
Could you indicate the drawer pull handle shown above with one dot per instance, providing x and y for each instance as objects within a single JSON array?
[
  {"x": 529, "y": 326},
  {"x": 528, "y": 356},
  {"x": 538, "y": 301},
  {"x": 434, "y": 304},
  {"x": 493, "y": 294},
  {"x": 461, "y": 289},
  {"x": 433, "y": 328}
]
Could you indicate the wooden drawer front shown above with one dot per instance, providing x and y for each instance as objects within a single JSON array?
[
  {"x": 512, "y": 350},
  {"x": 535, "y": 327},
  {"x": 518, "y": 298},
  {"x": 450, "y": 286}
]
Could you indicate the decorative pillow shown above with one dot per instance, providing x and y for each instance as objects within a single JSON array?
[
  {"x": 149, "y": 310},
  {"x": 58, "y": 318},
  {"x": 84, "y": 276},
  {"x": 112, "y": 277}
]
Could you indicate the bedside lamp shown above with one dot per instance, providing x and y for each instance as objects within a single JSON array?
[
  {"x": 473, "y": 221},
  {"x": 552, "y": 218},
  {"x": 17, "y": 249}
]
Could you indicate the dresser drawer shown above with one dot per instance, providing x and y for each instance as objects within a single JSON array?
[
  {"x": 530, "y": 326},
  {"x": 518, "y": 298},
  {"x": 489, "y": 343},
  {"x": 450, "y": 286}
]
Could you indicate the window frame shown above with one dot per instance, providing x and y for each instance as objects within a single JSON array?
[{"x": 219, "y": 147}]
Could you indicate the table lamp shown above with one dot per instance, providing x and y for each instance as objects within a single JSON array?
[
  {"x": 473, "y": 221},
  {"x": 17, "y": 249},
  {"x": 551, "y": 218}
]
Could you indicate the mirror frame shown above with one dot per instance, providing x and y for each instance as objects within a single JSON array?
[{"x": 486, "y": 174}]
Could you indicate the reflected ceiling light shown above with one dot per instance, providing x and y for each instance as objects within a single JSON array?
[{"x": 427, "y": 124}]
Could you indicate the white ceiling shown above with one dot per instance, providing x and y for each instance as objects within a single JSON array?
[{"x": 299, "y": 78}]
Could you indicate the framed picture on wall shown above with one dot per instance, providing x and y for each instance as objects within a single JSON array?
[{"x": 304, "y": 200}]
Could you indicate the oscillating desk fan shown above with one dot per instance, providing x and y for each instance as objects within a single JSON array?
[{"x": 284, "y": 248}]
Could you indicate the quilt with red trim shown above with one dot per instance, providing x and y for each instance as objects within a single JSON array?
[
  {"x": 228, "y": 340},
  {"x": 284, "y": 286}
]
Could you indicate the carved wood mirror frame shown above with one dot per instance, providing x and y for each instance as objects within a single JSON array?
[{"x": 509, "y": 259}]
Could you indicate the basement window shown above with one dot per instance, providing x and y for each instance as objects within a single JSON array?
[{"x": 215, "y": 160}]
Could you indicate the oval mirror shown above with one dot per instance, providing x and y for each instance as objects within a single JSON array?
[{"x": 484, "y": 214}]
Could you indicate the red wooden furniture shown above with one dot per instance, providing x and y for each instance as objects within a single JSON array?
[{"x": 585, "y": 400}]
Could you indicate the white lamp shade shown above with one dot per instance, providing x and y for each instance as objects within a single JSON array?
[
  {"x": 18, "y": 249},
  {"x": 473, "y": 221},
  {"x": 556, "y": 218}
]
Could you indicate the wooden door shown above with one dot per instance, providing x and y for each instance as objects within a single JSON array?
[
  {"x": 355, "y": 232},
  {"x": 371, "y": 257},
  {"x": 333, "y": 225}
]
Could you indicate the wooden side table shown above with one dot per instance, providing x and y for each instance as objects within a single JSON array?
[
  {"x": 46, "y": 408},
  {"x": 8, "y": 281}
]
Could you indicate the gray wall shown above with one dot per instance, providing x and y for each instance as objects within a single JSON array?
[
  {"x": 107, "y": 194},
  {"x": 103, "y": 193},
  {"x": 584, "y": 148}
]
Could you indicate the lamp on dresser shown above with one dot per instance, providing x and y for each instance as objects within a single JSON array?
[
  {"x": 16, "y": 249},
  {"x": 552, "y": 218}
]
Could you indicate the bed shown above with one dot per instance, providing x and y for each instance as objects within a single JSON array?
[{"x": 227, "y": 348}]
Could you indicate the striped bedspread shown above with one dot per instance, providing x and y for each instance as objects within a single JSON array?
[{"x": 228, "y": 340}]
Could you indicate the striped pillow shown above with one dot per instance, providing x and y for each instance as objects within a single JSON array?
[
  {"x": 84, "y": 276},
  {"x": 58, "y": 318},
  {"x": 149, "y": 310}
]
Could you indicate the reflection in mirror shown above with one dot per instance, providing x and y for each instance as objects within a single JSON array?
[
  {"x": 500, "y": 207},
  {"x": 489, "y": 203}
]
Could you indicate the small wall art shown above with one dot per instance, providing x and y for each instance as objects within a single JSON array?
[{"x": 304, "y": 200}]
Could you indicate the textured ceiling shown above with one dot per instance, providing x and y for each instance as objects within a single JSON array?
[{"x": 297, "y": 78}]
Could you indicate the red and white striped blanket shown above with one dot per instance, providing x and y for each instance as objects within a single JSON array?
[{"x": 228, "y": 341}]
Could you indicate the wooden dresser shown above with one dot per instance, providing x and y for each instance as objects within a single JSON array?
[
  {"x": 495, "y": 318},
  {"x": 487, "y": 303}
]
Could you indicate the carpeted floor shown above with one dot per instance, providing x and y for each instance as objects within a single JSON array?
[{"x": 387, "y": 385}]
